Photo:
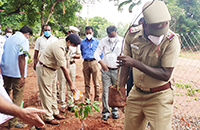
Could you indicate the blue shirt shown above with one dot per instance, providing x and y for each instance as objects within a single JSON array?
[
  {"x": 13, "y": 47},
  {"x": 88, "y": 48}
]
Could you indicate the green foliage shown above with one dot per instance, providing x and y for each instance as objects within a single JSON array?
[
  {"x": 192, "y": 91},
  {"x": 36, "y": 12},
  {"x": 25, "y": 52},
  {"x": 97, "y": 22},
  {"x": 122, "y": 28},
  {"x": 132, "y": 3},
  {"x": 183, "y": 86},
  {"x": 102, "y": 30},
  {"x": 82, "y": 110}
]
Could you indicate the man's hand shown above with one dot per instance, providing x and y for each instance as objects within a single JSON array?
[
  {"x": 73, "y": 89},
  {"x": 30, "y": 115},
  {"x": 22, "y": 82},
  {"x": 125, "y": 61},
  {"x": 103, "y": 65}
]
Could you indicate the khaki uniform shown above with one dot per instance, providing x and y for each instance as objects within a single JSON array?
[
  {"x": 72, "y": 68},
  {"x": 62, "y": 79},
  {"x": 156, "y": 108},
  {"x": 52, "y": 59}
]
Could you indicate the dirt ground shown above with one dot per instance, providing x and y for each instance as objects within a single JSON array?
[{"x": 93, "y": 122}]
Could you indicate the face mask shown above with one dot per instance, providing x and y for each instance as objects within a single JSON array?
[
  {"x": 47, "y": 33},
  {"x": 8, "y": 34},
  {"x": 156, "y": 40},
  {"x": 112, "y": 39},
  {"x": 89, "y": 36},
  {"x": 0, "y": 30}
]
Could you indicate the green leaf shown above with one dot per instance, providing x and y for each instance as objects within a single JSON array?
[
  {"x": 81, "y": 104},
  {"x": 80, "y": 112},
  {"x": 86, "y": 111},
  {"x": 96, "y": 107},
  {"x": 90, "y": 109},
  {"x": 88, "y": 101},
  {"x": 73, "y": 108},
  {"x": 76, "y": 113},
  {"x": 26, "y": 52},
  {"x": 123, "y": 3},
  {"x": 96, "y": 102}
]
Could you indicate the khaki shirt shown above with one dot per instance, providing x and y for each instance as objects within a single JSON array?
[
  {"x": 164, "y": 55},
  {"x": 54, "y": 56}
]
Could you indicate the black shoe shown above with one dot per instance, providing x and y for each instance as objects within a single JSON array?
[
  {"x": 115, "y": 116},
  {"x": 105, "y": 118}
]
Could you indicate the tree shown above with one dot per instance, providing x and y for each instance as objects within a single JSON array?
[
  {"x": 96, "y": 23},
  {"x": 32, "y": 12}
]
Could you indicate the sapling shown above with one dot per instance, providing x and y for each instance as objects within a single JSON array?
[{"x": 82, "y": 110}]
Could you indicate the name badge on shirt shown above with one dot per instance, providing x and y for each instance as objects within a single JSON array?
[{"x": 135, "y": 47}]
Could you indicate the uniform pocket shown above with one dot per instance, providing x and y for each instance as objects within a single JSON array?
[
  {"x": 135, "y": 52},
  {"x": 153, "y": 59}
]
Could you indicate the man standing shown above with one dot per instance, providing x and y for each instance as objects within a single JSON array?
[
  {"x": 8, "y": 33},
  {"x": 152, "y": 51},
  {"x": 14, "y": 67},
  {"x": 42, "y": 42},
  {"x": 111, "y": 47},
  {"x": 74, "y": 53},
  {"x": 53, "y": 58},
  {"x": 90, "y": 65}
]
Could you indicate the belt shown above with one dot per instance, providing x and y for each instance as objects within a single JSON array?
[
  {"x": 71, "y": 62},
  {"x": 153, "y": 90},
  {"x": 89, "y": 60},
  {"x": 46, "y": 66},
  {"x": 112, "y": 68}
]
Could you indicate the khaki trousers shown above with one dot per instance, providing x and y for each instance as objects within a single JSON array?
[
  {"x": 62, "y": 84},
  {"x": 91, "y": 67},
  {"x": 72, "y": 73},
  {"x": 155, "y": 108},
  {"x": 13, "y": 83},
  {"x": 46, "y": 81}
]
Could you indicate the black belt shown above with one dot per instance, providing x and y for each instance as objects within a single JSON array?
[
  {"x": 71, "y": 62},
  {"x": 89, "y": 60},
  {"x": 112, "y": 68},
  {"x": 46, "y": 66},
  {"x": 156, "y": 89}
]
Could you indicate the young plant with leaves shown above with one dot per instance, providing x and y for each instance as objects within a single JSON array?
[{"x": 82, "y": 110}]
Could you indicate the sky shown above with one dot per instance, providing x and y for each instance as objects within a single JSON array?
[{"x": 107, "y": 10}]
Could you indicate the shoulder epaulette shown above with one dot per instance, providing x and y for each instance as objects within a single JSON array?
[
  {"x": 135, "y": 29},
  {"x": 170, "y": 35}
]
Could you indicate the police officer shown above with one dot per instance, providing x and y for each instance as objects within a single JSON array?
[
  {"x": 152, "y": 51},
  {"x": 75, "y": 53},
  {"x": 53, "y": 58}
]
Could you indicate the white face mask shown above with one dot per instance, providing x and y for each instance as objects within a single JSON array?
[
  {"x": 112, "y": 39},
  {"x": 156, "y": 40},
  {"x": 89, "y": 36},
  {"x": 8, "y": 34}
]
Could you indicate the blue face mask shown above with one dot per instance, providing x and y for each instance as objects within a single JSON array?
[
  {"x": 0, "y": 30},
  {"x": 47, "y": 33}
]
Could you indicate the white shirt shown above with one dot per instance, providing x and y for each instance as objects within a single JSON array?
[
  {"x": 110, "y": 51},
  {"x": 74, "y": 51},
  {"x": 2, "y": 41},
  {"x": 42, "y": 42}
]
